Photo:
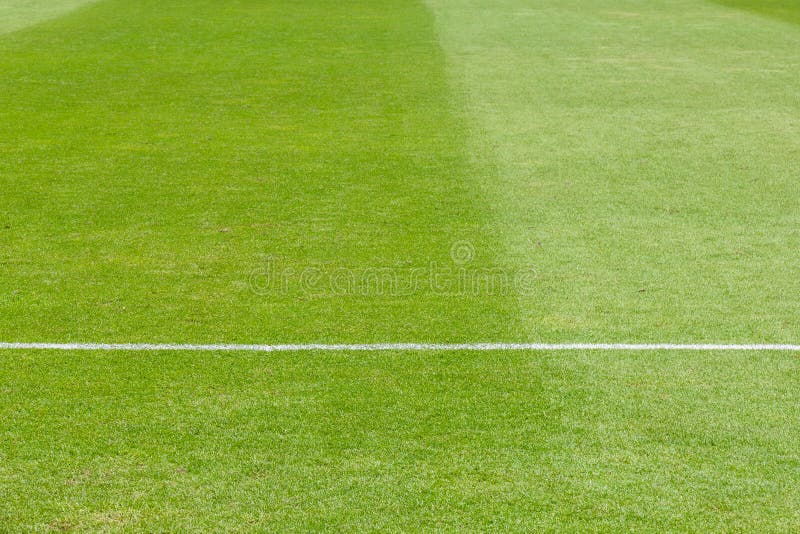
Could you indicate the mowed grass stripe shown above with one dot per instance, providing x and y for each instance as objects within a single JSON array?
[
  {"x": 159, "y": 159},
  {"x": 154, "y": 155},
  {"x": 19, "y": 14},
  {"x": 647, "y": 155},
  {"x": 783, "y": 10}
]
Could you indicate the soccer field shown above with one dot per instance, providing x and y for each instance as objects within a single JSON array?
[{"x": 368, "y": 172}]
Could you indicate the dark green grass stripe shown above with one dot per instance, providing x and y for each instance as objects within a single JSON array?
[
  {"x": 785, "y": 10},
  {"x": 157, "y": 156}
]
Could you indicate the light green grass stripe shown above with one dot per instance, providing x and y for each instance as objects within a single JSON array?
[
  {"x": 647, "y": 161},
  {"x": 18, "y": 14}
]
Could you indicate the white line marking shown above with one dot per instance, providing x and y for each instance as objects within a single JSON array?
[{"x": 152, "y": 347}]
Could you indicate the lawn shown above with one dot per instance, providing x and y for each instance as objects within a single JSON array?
[{"x": 274, "y": 171}]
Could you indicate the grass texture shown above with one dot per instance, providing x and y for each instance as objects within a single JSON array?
[
  {"x": 244, "y": 171},
  {"x": 18, "y": 14}
]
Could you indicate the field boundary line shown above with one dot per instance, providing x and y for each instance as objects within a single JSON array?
[{"x": 378, "y": 347}]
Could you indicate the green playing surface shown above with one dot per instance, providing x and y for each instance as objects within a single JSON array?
[{"x": 275, "y": 171}]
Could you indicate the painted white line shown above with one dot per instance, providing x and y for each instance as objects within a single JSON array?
[{"x": 153, "y": 347}]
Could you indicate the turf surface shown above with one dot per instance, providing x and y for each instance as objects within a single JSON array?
[
  {"x": 785, "y": 10},
  {"x": 18, "y": 14},
  {"x": 161, "y": 162}
]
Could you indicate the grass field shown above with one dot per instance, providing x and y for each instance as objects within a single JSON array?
[{"x": 275, "y": 171}]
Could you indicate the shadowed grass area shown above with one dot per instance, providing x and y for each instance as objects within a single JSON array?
[{"x": 786, "y": 10}]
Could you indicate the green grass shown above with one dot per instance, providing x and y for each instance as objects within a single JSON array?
[
  {"x": 785, "y": 10},
  {"x": 18, "y": 14},
  {"x": 400, "y": 442},
  {"x": 186, "y": 147},
  {"x": 651, "y": 148},
  {"x": 158, "y": 159}
]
